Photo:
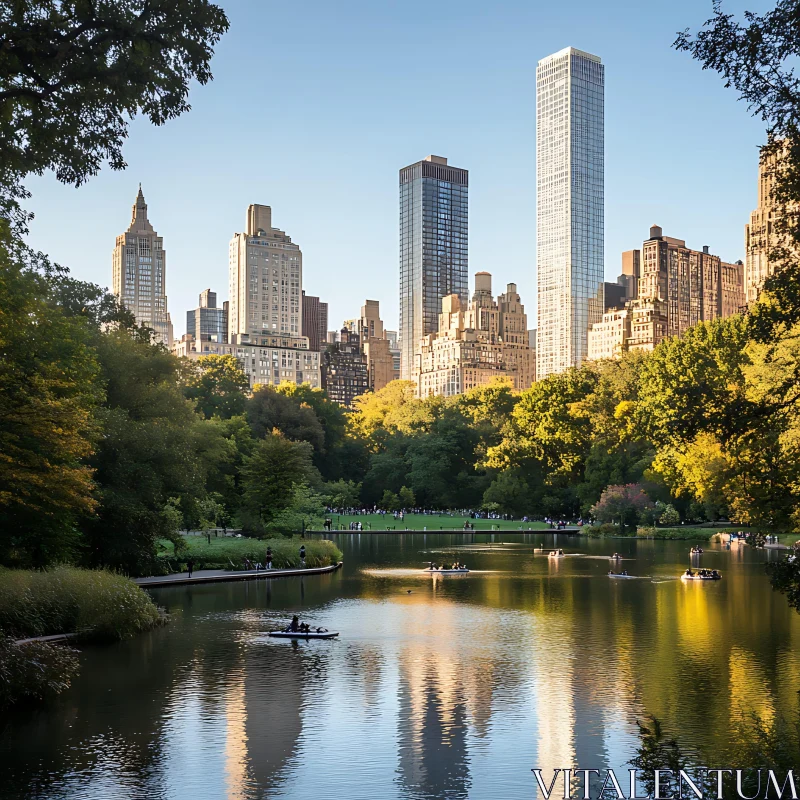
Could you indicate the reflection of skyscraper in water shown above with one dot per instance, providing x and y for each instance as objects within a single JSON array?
[
  {"x": 271, "y": 705},
  {"x": 555, "y": 716},
  {"x": 432, "y": 740}
]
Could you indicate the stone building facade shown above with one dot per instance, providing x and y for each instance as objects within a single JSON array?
[{"x": 476, "y": 343}]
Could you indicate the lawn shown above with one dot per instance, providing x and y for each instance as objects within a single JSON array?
[{"x": 418, "y": 522}]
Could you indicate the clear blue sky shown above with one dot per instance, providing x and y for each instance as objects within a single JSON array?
[{"x": 317, "y": 104}]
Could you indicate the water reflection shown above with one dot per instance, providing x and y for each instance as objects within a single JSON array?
[{"x": 455, "y": 690}]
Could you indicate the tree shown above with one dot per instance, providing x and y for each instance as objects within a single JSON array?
[
  {"x": 389, "y": 501},
  {"x": 269, "y": 477},
  {"x": 49, "y": 389},
  {"x": 623, "y": 504},
  {"x": 669, "y": 516},
  {"x": 342, "y": 455},
  {"x": 217, "y": 385},
  {"x": 390, "y": 410},
  {"x": 509, "y": 492},
  {"x": 151, "y": 449},
  {"x": 305, "y": 509},
  {"x": 342, "y": 494},
  {"x": 269, "y": 410},
  {"x": 72, "y": 75},
  {"x": 757, "y": 59},
  {"x": 406, "y": 498}
]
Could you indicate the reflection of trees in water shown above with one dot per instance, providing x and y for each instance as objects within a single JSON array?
[{"x": 123, "y": 715}]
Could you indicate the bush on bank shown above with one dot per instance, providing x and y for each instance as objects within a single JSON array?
[
  {"x": 95, "y": 604},
  {"x": 230, "y": 553},
  {"x": 35, "y": 671}
]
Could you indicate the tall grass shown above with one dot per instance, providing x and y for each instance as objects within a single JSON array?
[
  {"x": 95, "y": 604},
  {"x": 35, "y": 671},
  {"x": 230, "y": 553}
]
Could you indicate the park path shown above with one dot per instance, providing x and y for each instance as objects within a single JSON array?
[{"x": 219, "y": 575}]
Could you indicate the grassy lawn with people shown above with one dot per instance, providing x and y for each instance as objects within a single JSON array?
[{"x": 433, "y": 522}]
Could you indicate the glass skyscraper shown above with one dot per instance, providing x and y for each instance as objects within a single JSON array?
[
  {"x": 433, "y": 249},
  {"x": 569, "y": 206}
]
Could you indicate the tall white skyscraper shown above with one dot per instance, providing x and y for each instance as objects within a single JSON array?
[
  {"x": 139, "y": 271},
  {"x": 569, "y": 206},
  {"x": 266, "y": 279}
]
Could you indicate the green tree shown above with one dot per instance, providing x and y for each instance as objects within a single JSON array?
[
  {"x": 151, "y": 450},
  {"x": 49, "y": 389},
  {"x": 669, "y": 516},
  {"x": 406, "y": 498},
  {"x": 509, "y": 492},
  {"x": 342, "y": 494},
  {"x": 305, "y": 510},
  {"x": 269, "y": 410},
  {"x": 389, "y": 501},
  {"x": 73, "y": 75},
  {"x": 217, "y": 386},
  {"x": 269, "y": 477}
]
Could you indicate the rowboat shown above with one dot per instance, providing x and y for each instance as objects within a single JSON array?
[
  {"x": 686, "y": 577},
  {"x": 614, "y": 575},
  {"x": 447, "y": 571},
  {"x": 555, "y": 554},
  {"x": 298, "y": 635}
]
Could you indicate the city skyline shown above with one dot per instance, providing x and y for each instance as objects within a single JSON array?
[{"x": 198, "y": 210}]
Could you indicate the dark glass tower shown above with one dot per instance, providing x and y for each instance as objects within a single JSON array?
[{"x": 433, "y": 249}]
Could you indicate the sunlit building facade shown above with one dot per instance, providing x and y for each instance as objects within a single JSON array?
[
  {"x": 139, "y": 264},
  {"x": 476, "y": 343},
  {"x": 269, "y": 360},
  {"x": 761, "y": 234},
  {"x": 569, "y": 208},
  {"x": 265, "y": 279},
  {"x": 433, "y": 248}
]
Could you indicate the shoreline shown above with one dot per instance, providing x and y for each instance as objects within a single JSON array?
[{"x": 219, "y": 575}]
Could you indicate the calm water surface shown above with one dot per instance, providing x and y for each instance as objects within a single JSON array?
[{"x": 454, "y": 690}]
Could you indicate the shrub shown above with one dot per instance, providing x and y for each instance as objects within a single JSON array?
[
  {"x": 224, "y": 550},
  {"x": 95, "y": 604},
  {"x": 606, "y": 529},
  {"x": 674, "y": 533},
  {"x": 34, "y": 671}
]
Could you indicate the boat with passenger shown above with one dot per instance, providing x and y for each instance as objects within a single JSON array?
[
  {"x": 623, "y": 574},
  {"x": 455, "y": 569},
  {"x": 696, "y": 551},
  {"x": 701, "y": 575},
  {"x": 556, "y": 554},
  {"x": 302, "y": 630},
  {"x": 315, "y": 634},
  {"x": 615, "y": 557}
]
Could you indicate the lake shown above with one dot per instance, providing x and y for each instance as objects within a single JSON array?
[{"x": 438, "y": 687}]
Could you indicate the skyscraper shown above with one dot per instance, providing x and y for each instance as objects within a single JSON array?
[
  {"x": 266, "y": 278},
  {"x": 315, "y": 321},
  {"x": 764, "y": 234},
  {"x": 207, "y": 322},
  {"x": 569, "y": 206},
  {"x": 433, "y": 249},
  {"x": 139, "y": 271}
]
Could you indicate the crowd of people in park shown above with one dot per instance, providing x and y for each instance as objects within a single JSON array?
[{"x": 400, "y": 516}]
